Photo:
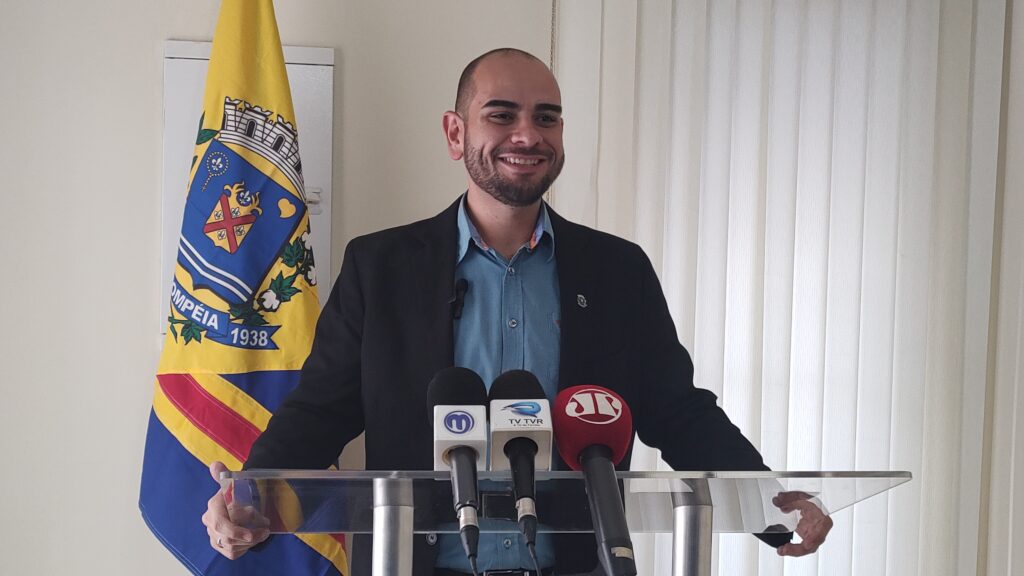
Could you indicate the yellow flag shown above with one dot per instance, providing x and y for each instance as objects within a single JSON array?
[
  {"x": 243, "y": 302},
  {"x": 244, "y": 293}
]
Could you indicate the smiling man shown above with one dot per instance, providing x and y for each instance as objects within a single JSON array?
[
  {"x": 507, "y": 125},
  {"x": 570, "y": 304}
]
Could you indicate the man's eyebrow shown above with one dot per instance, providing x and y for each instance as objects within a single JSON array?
[
  {"x": 542, "y": 107},
  {"x": 501, "y": 104}
]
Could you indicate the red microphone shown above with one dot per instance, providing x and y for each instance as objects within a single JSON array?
[{"x": 593, "y": 429}]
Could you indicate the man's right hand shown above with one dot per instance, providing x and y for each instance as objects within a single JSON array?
[{"x": 222, "y": 522}]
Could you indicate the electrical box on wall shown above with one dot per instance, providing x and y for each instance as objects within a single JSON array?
[{"x": 311, "y": 76}]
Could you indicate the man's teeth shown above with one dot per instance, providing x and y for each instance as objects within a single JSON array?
[{"x": 524, "y": 161}]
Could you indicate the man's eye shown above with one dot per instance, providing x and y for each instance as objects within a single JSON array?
[
  {"x": 547, "y": 119},
  {"x": 501, "y": 117}
]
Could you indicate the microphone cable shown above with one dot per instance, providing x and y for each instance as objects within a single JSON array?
[{"x": 533, "y": 556}]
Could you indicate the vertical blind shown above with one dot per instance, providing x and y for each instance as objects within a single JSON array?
[{"x": 815, "y": 182}]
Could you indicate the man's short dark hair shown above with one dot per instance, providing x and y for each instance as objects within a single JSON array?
[{"x": 466, "y": 88}]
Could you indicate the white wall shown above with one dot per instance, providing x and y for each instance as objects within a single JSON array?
[{"x": 80, "y": 90}]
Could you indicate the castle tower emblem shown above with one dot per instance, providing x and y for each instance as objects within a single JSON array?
[{"x": 276, "y": 140}]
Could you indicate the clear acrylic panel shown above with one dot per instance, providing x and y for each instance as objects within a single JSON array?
[{"x": 342, "y": 501}]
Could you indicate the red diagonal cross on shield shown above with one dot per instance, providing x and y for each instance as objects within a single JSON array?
[{"x": 228, "y": 224}]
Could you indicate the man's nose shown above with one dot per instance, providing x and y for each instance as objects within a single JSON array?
[{"x": 525, "y": 133}]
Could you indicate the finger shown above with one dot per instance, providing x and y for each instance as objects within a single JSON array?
[
  {"x": 247, "y": 516},
  {"x": 811, "y": 540},
  {"x": 783, "y": 498},
  {"x": 809, "y": 513},
  {"x": 793, "y": 550},
  {"x": 790, "y": 501},
  {"x": 234, "y": 533},
  {"x": 228, "y": 549},
  {"x": 808, "y": 509},
  {"x": 215, "y": 469},
  {"x": 259, "y": 536},
  {"x": 215, "y": 508}
]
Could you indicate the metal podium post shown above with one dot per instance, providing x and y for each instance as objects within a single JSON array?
[
  {"x": 691, "y": 530},
  {"x": 392, "y": 526}
]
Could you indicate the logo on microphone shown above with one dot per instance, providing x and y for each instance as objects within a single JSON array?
[
  {"x": 458, "y": 422},
  {"x": 594, "y": 406},
  {"x": 524, "y": 408}
]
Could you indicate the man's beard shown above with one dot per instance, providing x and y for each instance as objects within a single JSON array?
[{"x": 490, "y": 180}]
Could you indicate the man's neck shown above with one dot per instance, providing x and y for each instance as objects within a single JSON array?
[{"x": 504, "y": 228}]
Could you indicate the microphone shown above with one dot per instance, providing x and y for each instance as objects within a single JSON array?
[
  {"x": 521, "y": 430},
  {"x": 593, "y": 429},
  {"x": 458, "y": 414}
]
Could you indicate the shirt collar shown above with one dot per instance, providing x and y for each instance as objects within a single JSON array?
[{"x": 468, "y": 232}]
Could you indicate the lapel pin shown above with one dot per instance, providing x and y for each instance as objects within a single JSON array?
[{"x": 581, "y": 300}]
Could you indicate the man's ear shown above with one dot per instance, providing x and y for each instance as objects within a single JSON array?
[{"x": 455, "y": 134}]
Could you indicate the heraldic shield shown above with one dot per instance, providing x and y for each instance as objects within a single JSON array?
[
  {"x": 237, "y": 221},
  {"x": 239, "y": 225}
]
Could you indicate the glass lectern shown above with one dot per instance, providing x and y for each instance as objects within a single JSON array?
[{"x": 395, "y": 505}]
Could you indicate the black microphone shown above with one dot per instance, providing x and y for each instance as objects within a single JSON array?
[
  {"x": 458, "y": 414},
  {"x": 593, "y": 429},
  {"x": 458, "y": 300},
  {"x": 521, "y": 430}
]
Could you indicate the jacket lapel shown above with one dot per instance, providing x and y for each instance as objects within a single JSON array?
[
  {"x": 575, "y": 280},
  {"x": 433, "y": 279}
]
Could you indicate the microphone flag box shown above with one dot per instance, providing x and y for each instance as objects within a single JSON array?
[
  {"x": 526, "y": 418},
  {"x": 460, "y": 425}
]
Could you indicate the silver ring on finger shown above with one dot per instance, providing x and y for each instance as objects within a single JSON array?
[{"x": 220, "y": 543}]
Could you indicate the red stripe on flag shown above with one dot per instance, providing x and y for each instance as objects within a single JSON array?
[{"x": 225, "y": 426}]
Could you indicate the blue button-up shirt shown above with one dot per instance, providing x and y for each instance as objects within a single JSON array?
[{"x": 511, "y": 319}]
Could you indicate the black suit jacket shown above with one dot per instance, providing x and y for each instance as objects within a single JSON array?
[{"x": 387, "y": 329}]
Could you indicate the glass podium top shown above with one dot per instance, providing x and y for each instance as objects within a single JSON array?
[{"x": 343, "y": 501}]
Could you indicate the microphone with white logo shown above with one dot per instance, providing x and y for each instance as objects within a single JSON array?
[
  {"x": 521, "y": 440},
  {"x": 458, "y": 413},
  {"x": 593, "y": 429}
]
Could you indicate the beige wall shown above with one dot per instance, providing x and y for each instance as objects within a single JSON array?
[{"x": 80, "y": 90}]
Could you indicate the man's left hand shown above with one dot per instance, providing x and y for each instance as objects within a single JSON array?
[{"x": 813, "y": 527}]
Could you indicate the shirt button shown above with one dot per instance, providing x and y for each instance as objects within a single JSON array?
[
  {"x": 507, "y": 543},
  {"x": 513, "y": 323},
  {"x": 511, "y": 271}
]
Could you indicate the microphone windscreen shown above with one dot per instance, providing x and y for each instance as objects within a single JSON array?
[
  {"x": 591, "y": 415},
  {"x": 455, "y": 386},
  {"x": 516, "y": 385}
]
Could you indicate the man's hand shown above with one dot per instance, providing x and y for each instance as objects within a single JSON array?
[
  {"x": 224, "y": 522},
  {"x": 812, "y": 528}
]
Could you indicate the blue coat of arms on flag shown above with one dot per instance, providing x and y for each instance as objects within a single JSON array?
[{"x": 238, "y": 222}]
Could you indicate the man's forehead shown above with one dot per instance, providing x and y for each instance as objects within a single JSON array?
[{"x": 512, "y": 78}]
